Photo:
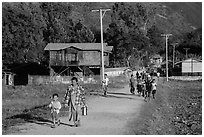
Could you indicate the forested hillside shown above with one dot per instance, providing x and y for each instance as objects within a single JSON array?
[{"x": 134, "y": 29}]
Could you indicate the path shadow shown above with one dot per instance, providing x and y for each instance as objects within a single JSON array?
[
  {"x": 37, "y": 120},
  {"x": 115, "y": 95},
  {"x": 119, "y": 93},
  {"x": 112, "y": 96},
  {"x": 29, "y": 116}
]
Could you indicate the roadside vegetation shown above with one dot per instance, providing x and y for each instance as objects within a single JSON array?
[
  {"x": 177, "y": 110},
  {"x": 21, "y": 104}
]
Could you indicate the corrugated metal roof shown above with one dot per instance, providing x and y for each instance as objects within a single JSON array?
[{"x": 82, "y": 46}]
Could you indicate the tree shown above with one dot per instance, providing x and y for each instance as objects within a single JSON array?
[
  {"x": 28, "y": 27},
  {"x": 22, "y": 27},
  {"x": 193, "y": 41},
  {"x": 125, "y": 34}
]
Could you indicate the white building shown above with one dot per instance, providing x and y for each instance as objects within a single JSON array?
[{"x": 190, "y": 66}]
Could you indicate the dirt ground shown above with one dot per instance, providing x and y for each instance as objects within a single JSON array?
[
  {"x": 121, "y": 113},
  {"x": 106, "y": 116}
]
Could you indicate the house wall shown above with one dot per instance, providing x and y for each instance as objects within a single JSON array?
[
  {"x": 40, "y": 80},
  {"x": 61, "y": 58},
  {"x": 90, "y": 58},
  {"x": 191, "y": 67},
  {"x": 106, "y": 59},
  {"x": 83, "y": 58},
  {"x": 114, "y": 73},
  {"x": 8, "y": 79}
]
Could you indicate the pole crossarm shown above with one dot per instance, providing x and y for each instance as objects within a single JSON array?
[
  {"x": 103, "y": 10},
  {"x": 166, "y": 35}
]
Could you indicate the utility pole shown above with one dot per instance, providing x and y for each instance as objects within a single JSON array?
[
  {"x": 174, "y": 45},
  {"x": 186, "y": 52},
  {"x": 166, "y": 36},
  {"x": 102, "y": 13}
]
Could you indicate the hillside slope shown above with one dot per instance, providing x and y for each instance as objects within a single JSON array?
[{"x": 191, "y": 11}]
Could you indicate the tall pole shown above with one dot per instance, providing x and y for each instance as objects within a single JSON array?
[
  {"x": 186, "y": 52},
  {"x": 174, "y": 53},
  {"x": 102, "y": 13},
  {"x": 166, "y": 36},
  {"x": 102, "y": 58}
]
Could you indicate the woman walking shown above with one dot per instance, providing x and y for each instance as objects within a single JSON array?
[
  {"x": 132, "y": 84},
  {"x": 74, "y": 99}
]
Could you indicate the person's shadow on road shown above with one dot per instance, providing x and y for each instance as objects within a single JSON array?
[
  {"x": 31, "y": 117},
  {"x": 116, "y": 95}
]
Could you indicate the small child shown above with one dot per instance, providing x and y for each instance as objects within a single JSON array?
[
  {"x": 154, "y": 88},
  {"x": 105, "y": 84},
  {"x": 55, "y": 106}
]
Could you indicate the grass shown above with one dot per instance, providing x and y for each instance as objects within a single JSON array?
[
  {"x": 177, "y": 110},
  {"x": 187, "y": 101},
  {"x": 23, "y": 104}
]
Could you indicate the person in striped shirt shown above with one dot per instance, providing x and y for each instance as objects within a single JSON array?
[{"x": 75, "y": 98}]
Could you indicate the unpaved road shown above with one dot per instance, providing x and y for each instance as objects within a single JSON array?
[{"x": 106, "y": 116}]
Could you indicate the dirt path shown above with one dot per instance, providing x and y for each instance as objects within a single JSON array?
[{"x": 106, "y": 116}]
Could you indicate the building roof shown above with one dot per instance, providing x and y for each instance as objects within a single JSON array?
[
  {"x": 82, "y": 46},
  {"x": 7, "y": 71},
  {"x": 188, "y": 60}
]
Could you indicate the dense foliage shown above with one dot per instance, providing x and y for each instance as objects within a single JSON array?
[
  {"x": 28, "y": 27},
  {"x": 134, "y": 29}
]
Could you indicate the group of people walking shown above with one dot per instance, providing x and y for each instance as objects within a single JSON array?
[
  {"x": 144, "y": 84},
  {"x": 74, "y": 99}
]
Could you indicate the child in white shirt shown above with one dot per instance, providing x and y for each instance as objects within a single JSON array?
[
  {"x": 55, "y": 107},
  {"x": 105, "y": 84},
  {"x": 154, "y": 88}
]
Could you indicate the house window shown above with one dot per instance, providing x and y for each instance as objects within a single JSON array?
[
  {"x": 52, "y": 55},
  {"x": 71, "y": 57},
  {"x": 74, "y": 57},
  {"x": 59, "y": 55}
]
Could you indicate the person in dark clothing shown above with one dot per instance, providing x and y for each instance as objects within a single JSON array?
[
  {"x": 132, "y": 84},
  {"x": 143, "y": 75},
  {"x": 148, "y": 84},
  {"x": 137, "y": 74},
  {"x": 139, "y": 86}
]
